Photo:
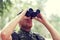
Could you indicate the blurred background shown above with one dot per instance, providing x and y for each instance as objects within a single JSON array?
[{"x": 50, "y": 8}]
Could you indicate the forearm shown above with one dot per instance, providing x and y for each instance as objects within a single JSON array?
[
  {"x": 8, "y": 29},
  {"x": 55, "y": 35},
  {"x": 0, "y": 35}
]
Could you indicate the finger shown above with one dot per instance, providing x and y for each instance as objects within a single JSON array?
[
  {"x": 42, "y": 15},
  {"x": 39, "y": 16},
  {"x": 38, "y": 19}
]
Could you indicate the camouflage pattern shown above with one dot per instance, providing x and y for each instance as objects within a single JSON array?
[{"x": 23, "y": 35}]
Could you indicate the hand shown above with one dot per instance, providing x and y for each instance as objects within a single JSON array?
[{"x": 40, "y": 17}]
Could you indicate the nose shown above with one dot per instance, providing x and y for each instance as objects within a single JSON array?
[{"x": 28, "y": 17}]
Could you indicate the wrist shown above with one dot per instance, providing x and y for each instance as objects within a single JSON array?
[{"x": 45, "y": 23}]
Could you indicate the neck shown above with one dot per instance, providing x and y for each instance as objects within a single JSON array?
[{"x": 27, "y": 30}]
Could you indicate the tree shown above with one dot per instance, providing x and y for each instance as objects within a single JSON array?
[{"x": 4, "y": 10}]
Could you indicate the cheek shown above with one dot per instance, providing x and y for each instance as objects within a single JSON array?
[{"x": 22, "y": 22}]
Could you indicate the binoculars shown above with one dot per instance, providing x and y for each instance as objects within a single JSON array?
[{"x": 31, "y": 13}]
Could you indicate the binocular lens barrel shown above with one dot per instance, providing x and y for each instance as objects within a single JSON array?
[{"x": 31, "y": 13}]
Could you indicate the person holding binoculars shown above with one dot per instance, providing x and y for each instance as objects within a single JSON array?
[{"x": 25, "y": 23}]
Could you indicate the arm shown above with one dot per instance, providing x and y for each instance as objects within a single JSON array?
[
  {"x": 8, "y": 29},
  {"x": 0, "y": 35},
  {"x": 55, "y": 35}
]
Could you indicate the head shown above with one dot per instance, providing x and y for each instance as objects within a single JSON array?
[{"x": 26, "y": 23}]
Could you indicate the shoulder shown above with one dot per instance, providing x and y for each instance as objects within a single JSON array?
[
  {"x": 39, "y": 37},
  {"x": 14, "y": 36}
]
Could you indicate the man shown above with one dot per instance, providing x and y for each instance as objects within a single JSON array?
[{"x": 25, "y": 24}]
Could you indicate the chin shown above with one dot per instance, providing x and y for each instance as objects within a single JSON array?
[{"x": 27, "y": 27}]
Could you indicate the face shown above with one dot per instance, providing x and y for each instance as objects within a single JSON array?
[{"x": 26, "y": 22}]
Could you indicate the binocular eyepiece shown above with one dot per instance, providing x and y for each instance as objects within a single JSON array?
[{"x": 31, "y": 13}]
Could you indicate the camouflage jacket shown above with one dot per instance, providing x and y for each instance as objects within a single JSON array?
[{"x": 23, "y": 35}]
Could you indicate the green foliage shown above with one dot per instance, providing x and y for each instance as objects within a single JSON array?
[
  {"x": 4, "y": 10},
  {"x": 1, "y": 8},
  {"x": 55, "y": 21},
  {"x": 10, "y": 8}
]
